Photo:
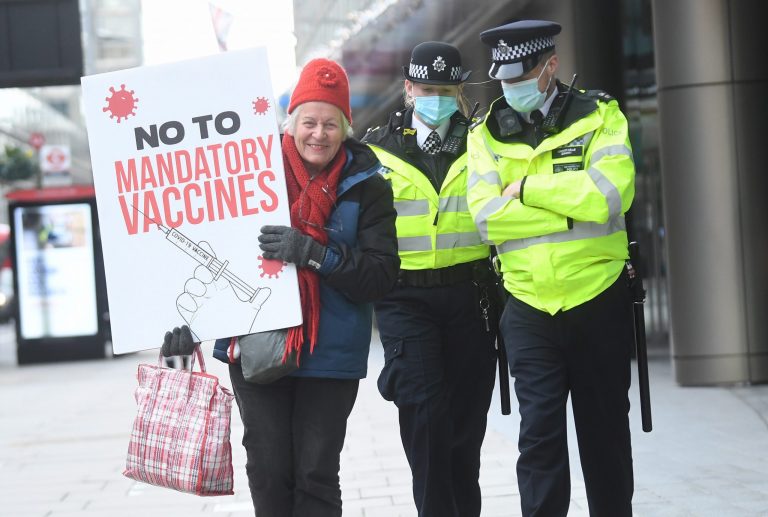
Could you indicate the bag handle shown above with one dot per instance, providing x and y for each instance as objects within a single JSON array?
[{"x": 197, "y": 353}]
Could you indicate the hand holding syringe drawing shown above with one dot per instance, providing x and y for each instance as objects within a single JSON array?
[{"x": 213, "y": 290}]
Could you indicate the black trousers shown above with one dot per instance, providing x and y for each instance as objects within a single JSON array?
[
  {"x": 584, "y": 351},
  {"x": 293, "y": 436},
  {"x": 440, "y": 371}
]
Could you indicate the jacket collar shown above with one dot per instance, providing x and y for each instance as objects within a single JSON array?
[
  {"x": 400, "y": 127},
  {"x": 582, "y": 104},
  {"x": 361, "y": 164}
]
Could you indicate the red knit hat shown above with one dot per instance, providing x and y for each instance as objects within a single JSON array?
[{"x": 323, "y": 80}]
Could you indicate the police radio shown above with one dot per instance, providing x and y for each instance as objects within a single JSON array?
[
  {"x": 553, "y": 122},
  {"x": 458, "y": 133}
]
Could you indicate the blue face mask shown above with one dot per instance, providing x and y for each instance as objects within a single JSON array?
[
  {"x": 435, "y": 109},
  {"x": 525, "y": 96}
]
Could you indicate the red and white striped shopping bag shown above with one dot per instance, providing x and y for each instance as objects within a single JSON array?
[{"x": 180, "y": 436}]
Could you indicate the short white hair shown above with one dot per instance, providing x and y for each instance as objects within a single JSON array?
[{"x": 289, "y": 124}]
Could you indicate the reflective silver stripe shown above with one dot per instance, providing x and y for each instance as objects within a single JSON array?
[
  {"x": 588, "y": 139},
  {"x": 581, "y": 230},
  {"x": 453, "y": 204},
  {"x": 491, "y": 177},
  {"x": 444, "y": 241},
  {"x": 610, "y": 150},
  {"x": 414, "y": 244},
  {"x": 608, "y": 189},
  {"x": 458, "y": 240},
  {"x": 491, "y": 207},
  {"x": 490, "y": 149},
  {"x": 414, "y": 207}
]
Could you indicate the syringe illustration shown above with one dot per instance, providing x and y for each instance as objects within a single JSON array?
[{"x": 191, "y": 248}]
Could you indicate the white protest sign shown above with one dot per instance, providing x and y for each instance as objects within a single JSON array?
[{"x": 187, "y": 167}]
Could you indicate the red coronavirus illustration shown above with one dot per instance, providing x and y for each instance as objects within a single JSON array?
[
  {"x": 121, "y": 103},
  {"x": 270, "y": 268},
  {"x": 260, "y": 106}
]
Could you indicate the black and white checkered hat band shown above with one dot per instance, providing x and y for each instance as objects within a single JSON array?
[
  {"x": 506, "y": 53},
  {"x": 418, "y": 71},
  {"x": 422, "y": 72}
]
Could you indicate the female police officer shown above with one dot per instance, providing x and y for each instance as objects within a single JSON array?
[{"x": 438, "y": 342}]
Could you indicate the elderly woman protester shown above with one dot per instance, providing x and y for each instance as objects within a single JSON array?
[{"x": 342, "y": 239}]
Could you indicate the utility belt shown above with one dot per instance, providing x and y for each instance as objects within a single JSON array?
[{"x": 476, "y": 270}]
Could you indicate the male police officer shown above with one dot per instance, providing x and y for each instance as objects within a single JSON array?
[
  {"x": 437, "y": 331},
  {"x": 550, "y": 181}
]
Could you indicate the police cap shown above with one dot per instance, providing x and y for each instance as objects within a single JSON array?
[
  {"x": 435, "y": 62},
  {"x": 516, "y": 47}
]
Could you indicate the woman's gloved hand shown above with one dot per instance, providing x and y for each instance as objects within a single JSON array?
[
  {"x": 289, "y": 244},
  {"x": 179, "y": 341}
]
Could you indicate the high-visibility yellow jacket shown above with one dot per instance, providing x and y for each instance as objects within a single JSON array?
[
  {"x": 434, "y": 229},
  {"x": 564, "y": 240}
]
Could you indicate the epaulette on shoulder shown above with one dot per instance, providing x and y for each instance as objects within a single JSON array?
[
  {"x": 396, "y": 120},
  {"x": 475, "y": 122},
  {"x": 599, "y": 95},
  {"x": 477, "y": 119},
  {"x": 371, "y": 129}
]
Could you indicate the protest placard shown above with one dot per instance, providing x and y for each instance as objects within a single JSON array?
[{"x": 187, "y": 167}]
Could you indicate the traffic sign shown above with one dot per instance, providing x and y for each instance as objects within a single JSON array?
[
  {"x": 36, "y": 140},
  {"x": 55, "y": 158},
  {"x": 55, "y": 163}
]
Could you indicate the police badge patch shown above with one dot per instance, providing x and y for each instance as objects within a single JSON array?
[
  {"x": 439, "y": 64},
  {"x": 567, "y": 151}
]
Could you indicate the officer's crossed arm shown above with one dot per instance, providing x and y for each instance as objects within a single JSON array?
[
  {"x": 603, "y": 190},
  {"x": 501, "y": 218},
  {"x": 513, "y": 189}
]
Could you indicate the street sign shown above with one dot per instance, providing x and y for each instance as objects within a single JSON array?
[
  {"x": 36, "y": 140},
  {"x": 55, "y": 164},
  {"x": 55, "y": 158}
]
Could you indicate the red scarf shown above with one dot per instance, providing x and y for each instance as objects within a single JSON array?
[{"x": 311, "y": 200}]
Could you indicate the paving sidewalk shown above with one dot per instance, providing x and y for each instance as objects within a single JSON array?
[{"x": 64, "y": 431}]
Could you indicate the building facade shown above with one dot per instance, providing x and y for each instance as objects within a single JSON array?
[
  {"x": 111, "y": 40},
  {"x": 685, "y": 73}
]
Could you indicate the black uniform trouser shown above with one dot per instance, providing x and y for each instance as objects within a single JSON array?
[
  {"x": 440, "y": 371},
  {"x": 294, "y": 431},
  {"x": 584, "y": 351}
]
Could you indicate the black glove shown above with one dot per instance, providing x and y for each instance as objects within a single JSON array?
[
  {"x": 178, "y": 342},
  {"x": 289, "y": 244}
]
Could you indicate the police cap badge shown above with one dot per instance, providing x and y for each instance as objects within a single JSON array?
[{"x": 435, "y": 62}]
